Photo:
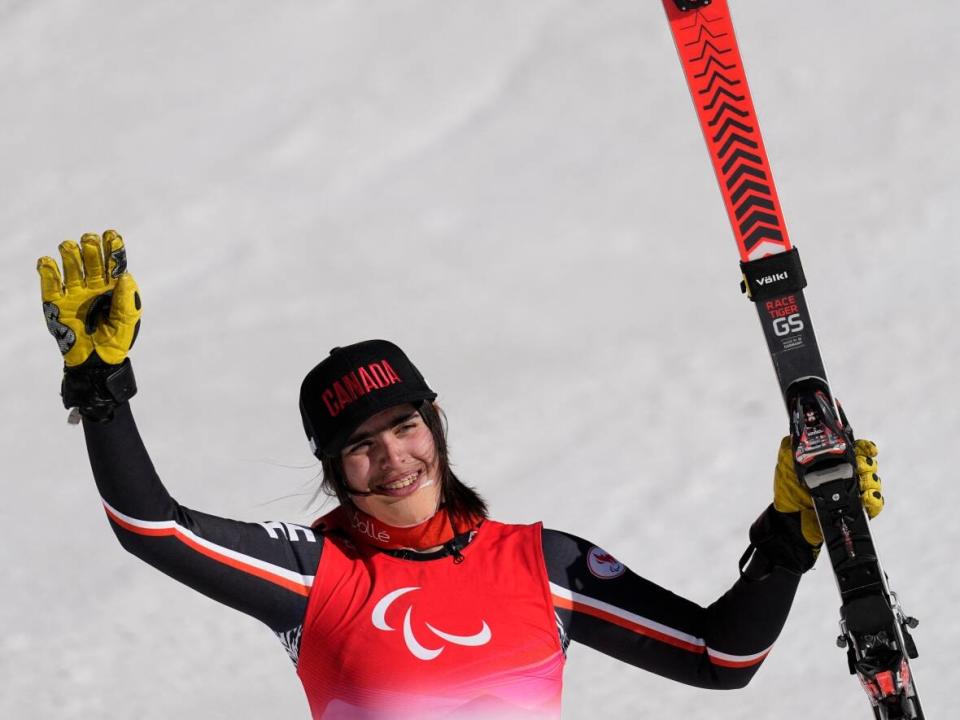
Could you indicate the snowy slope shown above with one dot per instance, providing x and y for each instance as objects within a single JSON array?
[{"x": 517, "y": 193}]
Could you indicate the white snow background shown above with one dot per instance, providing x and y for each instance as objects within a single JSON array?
[{"x": 519, "y": 195}]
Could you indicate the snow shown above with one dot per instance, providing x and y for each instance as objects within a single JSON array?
[{"x": 517, "y": 194}]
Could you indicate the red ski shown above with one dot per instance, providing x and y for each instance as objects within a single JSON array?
[
  {"x": 874, "y": 629},
  {"x": 711, "y": 60}
]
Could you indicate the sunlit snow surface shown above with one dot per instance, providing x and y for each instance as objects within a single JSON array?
[{"x": 518, "y": 194}]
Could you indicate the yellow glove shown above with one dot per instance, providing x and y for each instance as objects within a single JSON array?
[
  {"x": 789, "y": 496},
  {"x": 94, "y": 310}
]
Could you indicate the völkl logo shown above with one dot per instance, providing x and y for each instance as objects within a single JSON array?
[{"x": 770, "y": 279}]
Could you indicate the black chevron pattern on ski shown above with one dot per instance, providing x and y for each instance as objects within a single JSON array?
[
  {"x": 758, "y": 217},
  {"x": 696, "y": 17},
  {"x": 714, "y": 48},
  {"x": 716, "y": 96},
  {"x": 731, "y": 123},
  {"x": 742, "y": 170},
  {"x": 726, "y": 111},
  {"x": 749, "y": 185},
  {"x": 704, "y": 29},
  {"x": 717, "y": 77},
  {"x": 727, "y": 107},
  {"x": 753, "y": 201},
  {"x": 760, "y": 234},
  {"x": 740, "y": 155},
  {"x": 713, "y": 61},
  {"x": 735, "y": 138}
]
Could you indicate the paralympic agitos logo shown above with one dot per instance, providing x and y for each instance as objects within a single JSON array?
[{"x": 379, "y": 619}]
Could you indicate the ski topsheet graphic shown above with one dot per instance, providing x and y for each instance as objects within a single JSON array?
[
  {"x": 874, "y": 629},
  {"x": 711, "y": 59}
]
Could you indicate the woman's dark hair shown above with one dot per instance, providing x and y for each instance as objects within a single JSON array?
[{"x": 460, "y": 500}]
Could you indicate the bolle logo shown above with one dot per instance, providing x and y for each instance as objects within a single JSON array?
[
  {"x": 379, "y": 619},
  {"x": 770, "y": 279},
  {"x": 366, "y": 527},
  {"x": 604, "y": 565}
]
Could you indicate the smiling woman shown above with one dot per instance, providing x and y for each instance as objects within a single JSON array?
[
  {"x": 472, "y": 617},
  {"x": 398, "y": 453}
]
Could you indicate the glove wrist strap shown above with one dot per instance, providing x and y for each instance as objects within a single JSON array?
[
  {"x": 777, "y": 538},
  {"x": 96, "y": 388}
]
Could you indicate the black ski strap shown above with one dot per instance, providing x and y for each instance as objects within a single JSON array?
[{"x": 773, "y": 276}]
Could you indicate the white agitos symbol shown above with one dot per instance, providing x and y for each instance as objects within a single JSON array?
[{"x": 379, "y": 618}]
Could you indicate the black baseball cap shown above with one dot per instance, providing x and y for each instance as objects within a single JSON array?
[{"x": 352, "y": 384}]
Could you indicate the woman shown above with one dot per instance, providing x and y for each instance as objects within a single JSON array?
[{"x": 407, "y": 601}]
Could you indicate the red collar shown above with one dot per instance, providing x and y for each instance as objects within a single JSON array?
[{"x": 364, "y": 529}]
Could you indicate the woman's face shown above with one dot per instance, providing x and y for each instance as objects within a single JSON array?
[{"x": 392, "y": 456}]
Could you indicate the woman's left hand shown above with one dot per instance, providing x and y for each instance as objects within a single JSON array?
[{"x": 790, "y": 496}]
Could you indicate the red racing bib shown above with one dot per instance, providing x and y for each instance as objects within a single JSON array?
[{"x": 390, "y": 638}]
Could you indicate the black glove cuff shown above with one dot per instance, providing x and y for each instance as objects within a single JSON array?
[
  {"x": 778, "y": 541},
  {"x": 96, "y": 388}
]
